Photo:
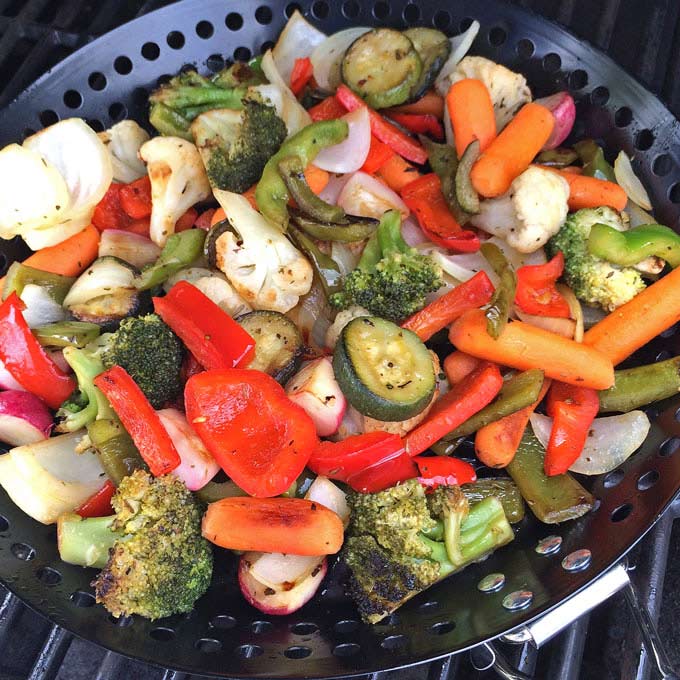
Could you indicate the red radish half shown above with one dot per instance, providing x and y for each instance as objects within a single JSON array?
[
  {"x": 563, "y": 109},
  {"x": 24, "y": 419}
]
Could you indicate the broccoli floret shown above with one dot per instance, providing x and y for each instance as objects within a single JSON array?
[
  {"x": 158, "y": 562},
  {"x": 151, "y": 353},
  {"x": 236, "y": 145},
  {"x": 391, "y": 279},
  {"x": 240, "y": 74},
  {"x": 401, "y": 541},
  {"x": 593, "y": 280}
]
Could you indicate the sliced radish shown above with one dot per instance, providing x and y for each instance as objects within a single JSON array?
[
  {"x": 563, "y": 109},
  {"x": 273, "y": 569},
  {"x": 24, "y": 419},
  {"x": 351, "y": 153},
  {"x": 369, "y": 197}
]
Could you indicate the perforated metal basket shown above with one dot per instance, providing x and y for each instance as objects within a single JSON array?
[{"x": 110, "y": 79}]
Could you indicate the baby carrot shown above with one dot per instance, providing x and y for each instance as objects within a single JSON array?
[
  {"x": 471, "y": 111},
  {"x": 397, "y": 173},
  {"x": 591, "y": 192},
  {"x": 459, "y": 366},
  {"x": 430, "y": 102}
]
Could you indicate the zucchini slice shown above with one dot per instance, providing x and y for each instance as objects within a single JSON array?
[
  {"x": 382, "y": 66},
  {"x": 465, "y": 193},
  {"x": 278, "y": 343},
  {"x": 434, "y": 48},
  {"x": 385, "y": 371}
]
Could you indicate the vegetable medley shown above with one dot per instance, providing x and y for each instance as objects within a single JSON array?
[{"x": 269, "y": 327}]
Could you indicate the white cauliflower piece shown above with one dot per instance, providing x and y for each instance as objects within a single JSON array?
[
  {"x": 123, "y": 142},
  {"x": 341, "y": 320},
  {"x": 264, "y": 267},
  {"x": 509, "y": 90},
  {"x": 178, "y": 181},
  {"x": 529, "y": 213}
]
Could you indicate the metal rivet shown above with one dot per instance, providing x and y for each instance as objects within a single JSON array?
[
  {"x": 519, "y": 599},
  {"x": 517, "y": 637},
  {"x": 549, "y": 545},
  {"x": 577, "y": 560},
  {"x": 491, "y": 583}
]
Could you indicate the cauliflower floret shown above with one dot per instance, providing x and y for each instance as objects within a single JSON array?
[
  {"x": 266, "y": 270},
  {"x": 178, "y": 181},
  {"x": 123, "y": 142},
  {"x": 341, "y": 320},
  {"x": 529, "y": 213},
  {"x": 509, "y": 90}
]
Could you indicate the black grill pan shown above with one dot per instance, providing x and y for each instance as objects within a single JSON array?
[{"x": 110, "y": 79}]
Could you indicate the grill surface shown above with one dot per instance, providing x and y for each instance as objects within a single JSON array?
[{"x": 39, "y": 33}]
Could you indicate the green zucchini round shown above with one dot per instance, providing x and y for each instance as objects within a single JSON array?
[
  {"x": 385, "y": 371},
  {"x": 434, "y": 49}
]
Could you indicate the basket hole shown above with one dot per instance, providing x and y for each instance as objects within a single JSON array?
[
  {"x": 263, "y": 15},
  {"x": 249, "y": 651},
  {"x": 350, "y": 9},
  {"x": 242, "y": 54},
  {"x": 48, "y": 117},
  {"x": 613, "y": 479},
  {"x": 140, "y": 96},
  {"x": 662, "y": 165},
  {"x": 23, "y": 551},
  {"x": 48, "y": 576},
  {"x": 268, "y": 45},
  {"x": 390, "y": 620},
  {"x": 208, "y": 645},
  {"x": 97, "y": 81},
  {"x": 623, "y": 117},
  {"x": 4, "y": 522},
  {"x": 73, "y": 99},
  {"x": 525, "y": 48},
  {"x": 305, "y": 628},
  {"x": 346, "y": 626},
  {"x": 600, "y": 95},
  {"x": 82, "y": 599},
  {"x": 290, "y": 9},
  {"x": 122, "y": 65},
  {"x": 320, "y": 9},
  {"x": 121, "y": 621},
  {"x": 621, "y": 513},
  {"x": 674, "y": 193},
  {"x": 204, "y": 29},
  {"x": 162, "y": 634},
  {"x": 411, "y": 14},
  {"x": 648, "y": 480},
  {"x": 175, "y": 40},
  {"x": 346, "y": 649},
  {"x": 261, "y": 627},
  {"x": 223, "y": 621},
  {"x": 464, "y": 24},
  {"x": 552, "y": 62},
  {"x": 151, "y": 51},
  {"x": 644, "y": 140},
  {"x": 578, "y": 79},
  {"x": 497, "y": 36},
  {"x": 297, "y": 652},
  {"x": 428, "y": 607},
  {"x": 117, "y": 112},
  {"x": 215, "y": 62},
  {"x": 96, "y": 124},
  {"x": 381, "y": 10},
  {"x": 669, "y": 447},
  {"x": 234, "y": 21},
  {"x": 394, "y": 642},
  {"x": 443, "y": 627},
  {"x": 441, "y": 19}
]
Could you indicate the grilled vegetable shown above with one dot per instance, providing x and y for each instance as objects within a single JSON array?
[
  {"x": 115, "y": 449},
  {"x": 19, "y": 276},
  {"x": 433, "y": 48},
  {"x": 66, "y": 333},
  {"x": 465, "y": 192},
  {"x": 502, "y": 488},
  {"x": 349, "y": 229}
]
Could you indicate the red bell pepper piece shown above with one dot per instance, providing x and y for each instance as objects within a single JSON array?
[
  {"x": 573, "y": 410},
  {"x": 135, "y": 198},
  {"x": 204, "y": 220},
  {"x": 329, "y": 109},
  {"x": 378, "y": 155},
  {"x": 341, "y": 460},
  {"x": 99, "y": 503},
  {"x": 455, "y": 407},
  {"x": 139, "y": 419},
  {"x": 391, "y": 135},
  {"x": 420, "y": 123},
  {"x": 260, "y": 438},
  {"x": 187, "y": 220},
  {"x": 470, "y": 294},
  {"x": 302, "y": 73},
  {"x": 140, "y": 227},
  {"x": 384, "y": 475},
  {"x": 24, "y": 357},
  {"x": 425, "y": 198},
  {"x": 209, "y": 333},
  {"x": 536, "y": 292},
  {"x": 109, "y": 213},
  {"x": 441, "y": 470}
]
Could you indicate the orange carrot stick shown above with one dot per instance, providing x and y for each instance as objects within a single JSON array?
[
  {"x": 471, "y": 111},
  {"x": 523, "y": 346},
  {"x": 634, "y": 324},
  {"x": 497, "y": 443},
  {"x": 459, "y": 365},
  {"x": 512, "y": 151},
  {"x": 430, "y": 103},
  {"x": 591, "y": 192},
  {"x": 397, "y": 173}
]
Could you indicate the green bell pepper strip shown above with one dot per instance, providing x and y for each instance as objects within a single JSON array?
[
  {"x": 20, "y": 275},
  {"x": 325, "y": 267},
  {"x": 499, "y": 308},
  {"x": 502, "y": 488},
  {"x": 627, "y": 248},
  {"x": 66, "y": 333},
  {"x": 467, "y": 196},
  {"x": 351, "y": 230},
  {"x": 557, "y": 158},
  {"x": 184, "y": 96},
  {"x": 179, "y": 251},
  {"x": 272, "y": 194},
  {"x": 115, "y": 449},
  {"x": 594, "y": 162},
  {"x": 642, "y": 385},
  {"x": 293, "y": 175}
]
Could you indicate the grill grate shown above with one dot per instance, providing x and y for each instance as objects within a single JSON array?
[{"x": 37, "y": 34}]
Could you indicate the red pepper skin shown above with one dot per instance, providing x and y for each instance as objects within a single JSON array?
[
  {"x": 420, "y": 123},
  {"x": 209, "y": 333},
  {"x": 26, "y": 360},
  {"x": 573, "y": 410},
  {"x": 135, "y": 198},
  {"x": 341, "y": 460},
  {"x": 302, "y": 73},
  {"x": 455, "y": 407},
  {"x": 536, "y": 292},
  {"x": 384, "y": 475},
  {"x": 109, "y": 213},
  {"x": 260, "y": 438},
  {"x": 187, "y": 220},
  {"x": 99, "y": 503},
  {"x": 329, "y": 109},
  {"x": 378, "y": 155},
  {"x": 204, "y": 219},
  {"x": 391, "y": 135},
  {"x": 440, "y": 470},
  {"x": 139, "y": 419}
]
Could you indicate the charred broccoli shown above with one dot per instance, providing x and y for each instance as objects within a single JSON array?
[
  {"x": 154, "y": 560},
  {"x": 151, "y": 353},
  {"x": 401, "y": 541},
  {"x": 391, "y": 279}
]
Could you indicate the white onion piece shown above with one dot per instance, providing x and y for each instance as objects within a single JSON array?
[
  {"x": 123, "y": 142},
  {"x": 297, "y": 41},
  {"x": 448, "y": 126},
  {"x": 332, "y": 190},
  {"x": 275, "y": 569},
  {"x": 637, "y": 215},
  {"x": 412, "y": 233},
  {"x": 324, "y": 492},
  {"x": 24, "y": 418},
  {"x": 8, "y": 381},
  {"x": 346, "y": 255},
  {"x": 133, "y": 248},
  {"x": 327, "y": 56},
  {"x": 563, "y": 109},
  {"x": 610, "y": 441},
  {"x": 41, "y": 307},
  {"x": 460, "y": 46},
  {"x": 350, "y": 154},
  {"x": 57, "y": 355},
  {"x": 630, "y": 182},
  {"x": 575, "y": 309},
  {"x": 558, "y": 325},
  {"x": 368, "y": 197}
]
